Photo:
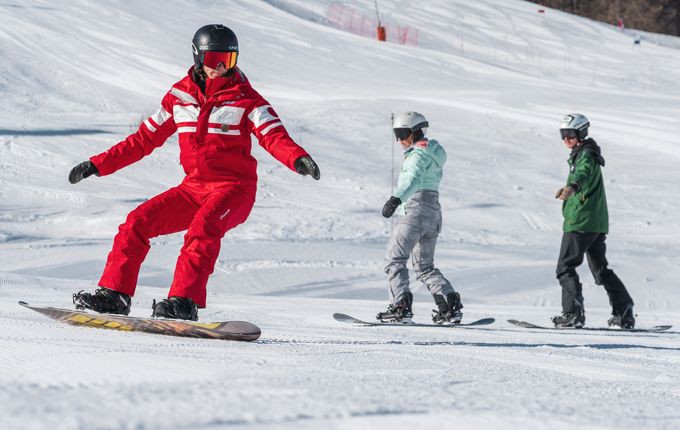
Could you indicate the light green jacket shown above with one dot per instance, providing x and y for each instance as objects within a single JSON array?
[{"x": 422, "y": 169}]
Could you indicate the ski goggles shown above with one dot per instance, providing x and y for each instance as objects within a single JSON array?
[
  {"x": 568, "y": 133},
  {"x": 213, "y": 59},
  {"x": 402, "y": 133}
]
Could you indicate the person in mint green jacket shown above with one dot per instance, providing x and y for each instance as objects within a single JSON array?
[
  {"x": 586, "y": 224},
  {"x": 416, "y": 231}
]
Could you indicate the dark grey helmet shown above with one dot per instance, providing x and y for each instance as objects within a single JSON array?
[{"x": 213, "y": 37}]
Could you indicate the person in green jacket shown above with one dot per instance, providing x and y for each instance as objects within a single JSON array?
[
  {"x": 419, "y": 225},
  {"x": 586, "y": 224}
]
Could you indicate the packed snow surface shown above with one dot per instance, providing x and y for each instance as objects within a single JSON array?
[{"x": 493, "y": 77}]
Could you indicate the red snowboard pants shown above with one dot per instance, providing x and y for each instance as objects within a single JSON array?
[{"x": 206, "y": 210}]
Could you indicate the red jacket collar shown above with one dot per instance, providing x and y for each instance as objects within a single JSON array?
[{"x": 219, "y": 86}]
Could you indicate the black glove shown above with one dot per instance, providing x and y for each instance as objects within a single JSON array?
[
  {"x": 391, "y": 206},
  {"x": 306, "y": 166},
  {"x": 82, "y": 171}
]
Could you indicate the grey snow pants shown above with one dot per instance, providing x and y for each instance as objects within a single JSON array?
[{"x": 415, "y": 235}]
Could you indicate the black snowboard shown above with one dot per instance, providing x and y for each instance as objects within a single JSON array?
[
  {"x": 228, "y": 330},
  {"x": 655, "y": 329},
  {"x": 348, "y": 319}
]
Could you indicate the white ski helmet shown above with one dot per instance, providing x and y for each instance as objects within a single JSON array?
[
  {"x": 406, "y": 123},
  {"x": 574, "y": 124}
]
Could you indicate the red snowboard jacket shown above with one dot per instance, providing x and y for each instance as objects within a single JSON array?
[{"x": 214, "y": 133}]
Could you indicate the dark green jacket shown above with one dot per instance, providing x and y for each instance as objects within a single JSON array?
[{"x": 586, "y": 211}]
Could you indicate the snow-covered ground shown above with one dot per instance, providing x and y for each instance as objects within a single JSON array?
[{"x": 493, "y": 77}]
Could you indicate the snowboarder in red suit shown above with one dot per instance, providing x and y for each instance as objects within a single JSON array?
[{"x": 214, "y": 110}]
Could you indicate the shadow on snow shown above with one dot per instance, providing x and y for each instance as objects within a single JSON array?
[
  {"x": 601, "y": 346},
  {"x": 50, "y": 132}
]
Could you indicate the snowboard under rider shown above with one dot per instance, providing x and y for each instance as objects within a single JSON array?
[
  {"x": 416, "y": 231},
  {"x": 214, "y": 110},
  {"x": 586, "y": 224}
]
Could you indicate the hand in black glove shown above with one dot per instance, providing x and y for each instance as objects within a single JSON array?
[
  {"x": 306, "y": 166},
  {"x": 82, "y": 171},
  {"x": 391, "y": 206}
]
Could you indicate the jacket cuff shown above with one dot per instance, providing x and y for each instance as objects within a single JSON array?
[
  {"x": 575, "y": 186},
  {"x": 99, "y": 164},
  {"x": 295, "y": 156}
]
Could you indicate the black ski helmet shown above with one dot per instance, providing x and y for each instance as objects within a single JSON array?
[{"x": 213, "y": 37}]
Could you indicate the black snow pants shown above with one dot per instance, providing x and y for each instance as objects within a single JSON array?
[{"x": 574, "y": 245}]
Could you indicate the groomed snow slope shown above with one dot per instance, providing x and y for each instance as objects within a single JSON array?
[{"x": 493, "y": 77}]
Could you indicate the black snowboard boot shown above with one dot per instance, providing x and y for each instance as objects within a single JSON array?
[
  {"x": 103, "y": 300},
  {"x": 178, "y": 308},
  {"x": 448, "y": 311},
  {"x": 400, "y": 312},
  {"x": 625, "y": 320},
  {"x": 575, "y": 319}
]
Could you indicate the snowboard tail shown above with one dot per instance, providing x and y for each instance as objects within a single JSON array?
[
  {"x": 225, "y": 330},
  {"x": 655, "y": 329},
  {"x": 351, "y": 320}
]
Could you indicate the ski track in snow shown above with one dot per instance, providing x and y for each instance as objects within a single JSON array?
[
  {"x": 493, "y": 77},
  {"x": 311, "y": 370}
]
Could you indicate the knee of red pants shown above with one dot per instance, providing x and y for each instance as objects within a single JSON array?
[{"x": 144, "y": 223}]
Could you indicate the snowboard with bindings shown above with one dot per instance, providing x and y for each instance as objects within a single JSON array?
[
  {"x": 226, "y": 330},
  {"x": 655, "y": 329},
  {"x": 351, "y": 320}
]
